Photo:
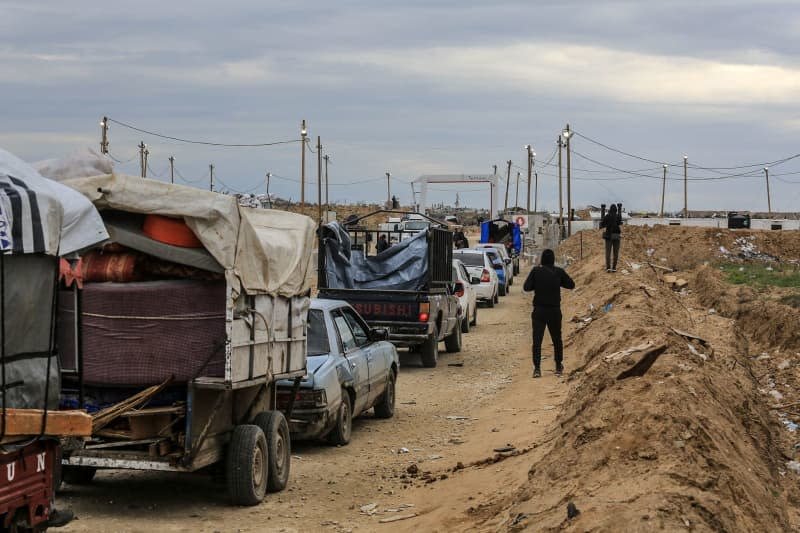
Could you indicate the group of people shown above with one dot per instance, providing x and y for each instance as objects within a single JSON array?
[{"x": 546, "y": 282}]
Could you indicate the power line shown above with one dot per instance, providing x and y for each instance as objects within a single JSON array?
[{"x": 206, "y": 143}]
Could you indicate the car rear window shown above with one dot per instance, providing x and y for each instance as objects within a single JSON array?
[
  {"x": 317, "y": 333},
  {"x": 470, "y": 259}
]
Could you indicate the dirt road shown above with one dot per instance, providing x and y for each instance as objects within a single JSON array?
[{"x": 445, "y": 416}]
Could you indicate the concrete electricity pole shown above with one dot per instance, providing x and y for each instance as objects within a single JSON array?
[
  {"x": 104, "y": 138},
  {"x": 319, "y": 180},
  {"x": 303, "y": 133},
  {"x": 495, "y": 170},
  {"x": 769, "y": 200},
  {"x": 535, "y": 192},
  {"x": 327, "y": 159},
  {"x": 529, "y": 148},
  {"x": 388, "y": 191},
  {"x": 663, "y": 191},
  {"x": 516, "y": 201},
  {"x": 685, "y": 188},
  {"x": 211, "y": 178},
  {"x": 568, "y": 137},
  {"x": 560, "y": 194},
  {"x": 171, "y": 169},
  {"x": 508, "y": 182},
  {"x": 142, "y": 163}
]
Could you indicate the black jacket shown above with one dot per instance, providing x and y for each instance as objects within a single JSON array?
[
  {"x": 612, "y": 225},
  {"x": 546, "y": 282}
]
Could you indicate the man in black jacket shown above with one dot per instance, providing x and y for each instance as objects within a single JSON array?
[
  {"x": 613, "y": 234},
  {"x": 546, "y": 282}
]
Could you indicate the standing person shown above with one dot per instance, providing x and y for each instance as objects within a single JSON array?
[
  {"x": 546, "y": 282},
  {"x": 612, "y": 235},
  {"x": 382, "y": 245}
]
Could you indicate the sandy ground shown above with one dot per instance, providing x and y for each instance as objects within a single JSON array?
[{"x": 493, "y": 390}]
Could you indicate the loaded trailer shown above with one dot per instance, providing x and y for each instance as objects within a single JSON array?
[{"x": 181, "y": 326}]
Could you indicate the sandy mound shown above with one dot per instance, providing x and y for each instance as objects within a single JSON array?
[{"x": 679, "y": 434}]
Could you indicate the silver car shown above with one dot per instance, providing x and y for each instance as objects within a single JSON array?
[{"x": 351, "y": 369}]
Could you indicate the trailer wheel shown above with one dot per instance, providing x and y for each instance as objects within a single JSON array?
[
  {"x": 491, "y": 301},
  {"x": 385, "y": 407},
  {"x": 465, "y": 322},
  {"x": 429, "y": 351},
  {"x": 279, "y": 448},
  {"x": 247, "y": 467},
  {"x": 502, "y": 290},
  {"x": 340, "y": 434},
  {"x": 453, "y": 341},
  {"x": 77, "y": 475}
]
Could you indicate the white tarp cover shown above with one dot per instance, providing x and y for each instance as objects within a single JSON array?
[
  {"x": 41, "y": 216},
  {"x": 79, "y": 164},
  {"x": 264, "y": 251}
]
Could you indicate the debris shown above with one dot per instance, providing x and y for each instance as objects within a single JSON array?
[
  {"x": 659, "y": 267},
  {"x": 572, "y": 511},
  {"x": 456, "y": 440},
  {"x": 690, "y": 336},
  {"x": 694, "y": 351},
  {"x": 776, "y": 394},
  {"x": 784, "y": 364},
  {"x": 434, "y": 457},
  {"x": 412, "y": 402},
  {"x": 455, "y": 417},
  {"x": 680, "y": 283},
  {"x": 505, "y": 449},
  {"x": 403, "y": 450},
  {"x": 791, "y": 426},
  {"x": 644, "y": 364},
  {"x": 413, "y": 469},
  {"x": 629, "y": 351},
  {"x": 396, "y": 518},
  {"x": 794, "y": 466},
  {"x": 456, "y": 363},
  {"x": 608, "y": 307},
  {"x": 648, "y": 455},
  {"x": 712, "y": 311},
  {"x": 370, "y": 508}
]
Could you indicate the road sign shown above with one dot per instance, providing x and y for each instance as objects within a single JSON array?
[{"x": 521, "y": 221}]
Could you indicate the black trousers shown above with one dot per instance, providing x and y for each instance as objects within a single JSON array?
[
  {"x": 612, "y": 244},
  {"x": 550, "y": 318}
]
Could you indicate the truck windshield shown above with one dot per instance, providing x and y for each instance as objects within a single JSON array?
[
  {"x": 318, "y": 343},
  {"x": 415, "y": 226},
  {"x": 471, "y": 259}
]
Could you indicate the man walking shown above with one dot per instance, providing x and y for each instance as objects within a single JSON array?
[
  {"x": 613, "y": 234},
  {"x": 546, "y": 281}
]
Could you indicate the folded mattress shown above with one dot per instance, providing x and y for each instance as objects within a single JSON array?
[{"x": 139, "y": 334}]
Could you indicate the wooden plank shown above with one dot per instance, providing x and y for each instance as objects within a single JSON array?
[
  {"x": 167, "y": 410},
  {"x": 59, "y": 423},
  {"x": 120, "y": 444}
]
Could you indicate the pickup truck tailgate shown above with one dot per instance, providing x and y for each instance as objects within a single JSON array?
[{"x": 378, "y": 306}]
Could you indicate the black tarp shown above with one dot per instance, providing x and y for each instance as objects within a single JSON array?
[{"x": 403, "y": 266}]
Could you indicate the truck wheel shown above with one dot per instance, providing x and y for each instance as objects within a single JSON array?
[
  {"x": 429, "y": 351},
  {"x": 502, "y": 290},
  {"x": 78, "y": 475},
  {"x": 465, "y": 322},
  {"x": 279, "y": 448},
  {"x": 247, "y": 467},
  {"x": 385, "y": 407},
  {"x": 453, "y": 341},
  {"x": 340, "y": 434},
  {"x": 497, "y": 295},
  {"x": 491, "y": 301},
  {"x": 474, "y": 317}
]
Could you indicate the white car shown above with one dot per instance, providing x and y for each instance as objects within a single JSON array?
[
  {"x": 501, "y": 250},
  {"x": 464, "y": 290},
  {"x": 479, "y": 265}
]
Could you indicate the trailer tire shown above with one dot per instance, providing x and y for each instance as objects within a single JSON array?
[
  {"x": 77, "y": 475},
  {"x": 453, "y": 341},
  {"x": 491, "y": 301},
  {"x": 502, "y": 290},
  {"x": 429, "y": 351},
  {"x": 279, "y": 448},
  {"x": 341, "y": 432},
  {"x": 385, "y": 406},
  {"x": 246, "y": 469},
  {"x": 465, "y": 323}
]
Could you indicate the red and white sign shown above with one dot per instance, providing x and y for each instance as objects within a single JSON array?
[{"x": 521, "y": 221}]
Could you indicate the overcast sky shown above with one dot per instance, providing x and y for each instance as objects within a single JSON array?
[{"x": 419, "y": 87}]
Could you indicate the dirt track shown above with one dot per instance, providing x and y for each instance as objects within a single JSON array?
[{"x": 329, "y": 485}]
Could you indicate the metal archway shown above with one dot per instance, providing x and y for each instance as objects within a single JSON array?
[{"x": 491, "y": 179}]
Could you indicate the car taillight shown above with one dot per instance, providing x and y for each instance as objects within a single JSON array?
[
  {"x": 459, "y": 289},
  {"x": 424, "y": 311},
  {"x": 305, "y": 398},
  {"x": 485, "y": 276}
]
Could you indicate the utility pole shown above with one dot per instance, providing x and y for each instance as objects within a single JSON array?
[
  {"x": 269, "y": 175},
  {"x": 319, "y": 180},
  {"x": 769, "y": 200},
  {"x": 568, "y": 136},
  {"x": 303, "y": 133},
  {"x": 142, "y": 147},
  {"x": 211, "y": 178},
  {"x": 663, "y": 191},
  {"x": 516, "y": 202},
  {"x": 146, "y": 163},
  {"x": 529, "y": 148},
  {"x": 327, "y": 159},
  {"x": 560, "y": 194},
  {"x": 536, "y": 192},
  {"x": 495, "y": 170},
  {"x": 388, "y": 191},
  {"x": 104, "y": 138},
  {"x": 685, "y": 188},
  {"x": 171, "y": 169},
  {"x": 508, "y": 182}
]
